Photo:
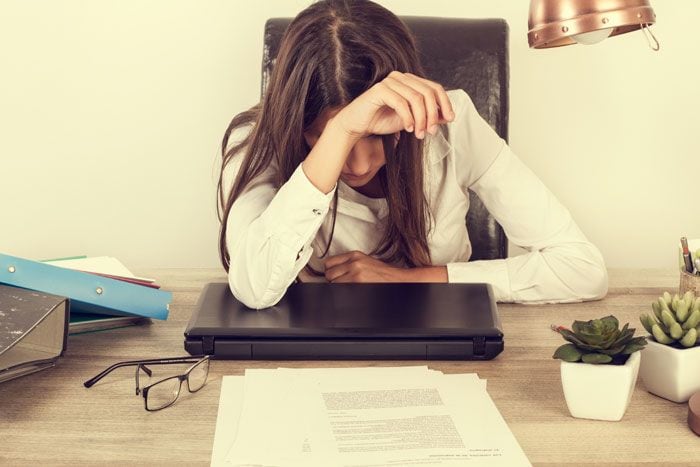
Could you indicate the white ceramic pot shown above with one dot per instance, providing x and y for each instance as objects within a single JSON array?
[
  {"x": 671, "y": 373},
  {"x": 599, "y": 392}
]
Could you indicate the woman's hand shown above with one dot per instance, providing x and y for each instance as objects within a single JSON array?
[
  {"x": 356, "y": 266},
  {"x": 402, "y": 101}
]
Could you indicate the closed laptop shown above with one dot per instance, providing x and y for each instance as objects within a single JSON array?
[{"x": 350, "y": 321}]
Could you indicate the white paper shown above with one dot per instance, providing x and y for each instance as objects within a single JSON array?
[
  {"x": 230, "y": 404},
  {"x": 98, "y": 264},
  {"x": 359, "y": 417},
  {"x": 270, "y": 417},
  {"x": 429, "y": 422},
  {"x": 273, "y": 398}
]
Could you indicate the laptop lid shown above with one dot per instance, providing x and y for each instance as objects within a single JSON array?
[{"x": 314, "y": 313}]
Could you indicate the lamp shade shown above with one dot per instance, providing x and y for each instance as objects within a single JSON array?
[{"x": 554, "y": 23}]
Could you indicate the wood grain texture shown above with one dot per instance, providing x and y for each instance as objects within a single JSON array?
[{"x": 50, "y": 418}]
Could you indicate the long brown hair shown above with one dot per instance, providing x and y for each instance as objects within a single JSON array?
[{"x": 332, "y": 52}]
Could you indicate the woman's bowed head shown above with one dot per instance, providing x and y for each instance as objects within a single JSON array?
[
  {"x": 357, "y": 111},
  {"x": 346, "y": 116}
]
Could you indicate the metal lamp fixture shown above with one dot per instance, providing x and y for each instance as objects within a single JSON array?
[{"x": 554, "y": 23}]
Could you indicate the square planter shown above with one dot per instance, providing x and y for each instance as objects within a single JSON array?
[
  {"x": 671, "y": 373},
  {"x": 599, "y": 392}
]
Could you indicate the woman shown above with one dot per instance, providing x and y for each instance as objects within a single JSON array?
[{"x": 355, "y": 168}]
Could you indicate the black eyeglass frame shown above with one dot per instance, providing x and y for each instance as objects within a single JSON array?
[{"x": 141, "y": 365}]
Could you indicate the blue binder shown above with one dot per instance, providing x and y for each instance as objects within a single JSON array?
[{"x": 89, "y": 293}]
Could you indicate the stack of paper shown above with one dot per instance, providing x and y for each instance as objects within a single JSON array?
[
  {"x": 106, "y": 266},
  {"x": 406, "y": 416}
]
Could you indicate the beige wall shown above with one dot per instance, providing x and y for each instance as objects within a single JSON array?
[{"x": 111, "y": 113}]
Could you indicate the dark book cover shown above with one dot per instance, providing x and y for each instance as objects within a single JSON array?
[{"x": 33, "y": 330}]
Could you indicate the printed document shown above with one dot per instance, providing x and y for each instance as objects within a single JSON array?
[{"x": 360, "y": 417}]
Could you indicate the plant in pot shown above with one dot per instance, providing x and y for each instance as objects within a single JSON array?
[
  {"x": 599, "y": 367},
  {"x": 671, "y": 364}
]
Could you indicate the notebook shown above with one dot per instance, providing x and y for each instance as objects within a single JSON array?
[
  {"x": 350, "y": 321},
  {"x": 90, "y": 322}
]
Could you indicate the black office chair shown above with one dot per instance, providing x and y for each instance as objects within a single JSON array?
[{"x": 471, "y": 54}]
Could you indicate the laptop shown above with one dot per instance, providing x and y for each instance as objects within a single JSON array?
[{"x": 417, "y": 321}]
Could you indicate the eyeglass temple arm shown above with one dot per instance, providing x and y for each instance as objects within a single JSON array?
[
  {"x": 92, "y": 381},
  {"x": 102, "y": 374}
]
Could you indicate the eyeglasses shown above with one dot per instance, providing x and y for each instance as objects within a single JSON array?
[{"x": 162, "y": 393}]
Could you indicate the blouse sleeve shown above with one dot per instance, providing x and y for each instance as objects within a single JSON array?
[
  {"x": 269, "y": 233},
  {"x": 560, "y": 265}
]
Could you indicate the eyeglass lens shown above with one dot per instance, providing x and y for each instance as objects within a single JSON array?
[
  {"x": 163, "y": 394},
  {"x": 198, "y": 376}
]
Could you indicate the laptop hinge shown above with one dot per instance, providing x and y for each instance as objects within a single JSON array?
[
  {"x": 479, "y": 345},
  {"x": 208, "y": 345}
]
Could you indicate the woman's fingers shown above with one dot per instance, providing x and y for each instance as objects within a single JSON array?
[
  {"x": 429, "y": 104},
  {"x": 340, "y": 265},
  {"x": 339, "y": 259},
  {"x": 334, "y": 273},
  {"x": 428, "y": 101},
  {"x": 394, "y": 100},
  {"x": 443, "y": 99},
  {"x": 415, "y": 98},
  {"x": 345, "y": 277}
]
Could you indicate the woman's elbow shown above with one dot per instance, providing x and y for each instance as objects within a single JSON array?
[
  {"x": 255, "y": 297},
  {"x": 594, "y": 279},
  {"x": 252, "y": 277},
  {"x": 596, "y": 288}
]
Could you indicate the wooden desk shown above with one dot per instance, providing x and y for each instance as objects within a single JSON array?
[{"x": 50, "y": 418}]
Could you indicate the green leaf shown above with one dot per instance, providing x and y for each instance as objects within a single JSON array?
[
  {"x": 641, "y": 340},
  {"x": 568, "y": 353},
  {"x": 612, "y": 339},
  {"x": 690, "y": 338},
  {"x": 631, "y": 348},
  {"x": 571, "y": 337},
  {"x": 613, "y": 350},
  {"x": 596, "y": 358},
  {"x": 622, "y": 340},
  {"x": 610, "y": 323},
  {"x": 609, "y": 326},
  {"x": 646, "y": 321},
  {"x": 660, "y": 336},
  {"x": 580, "y": 326},
  {"x": 592, "y": 339},
  {"x": 628, "y": 332}
]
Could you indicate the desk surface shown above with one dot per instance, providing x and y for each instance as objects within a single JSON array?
[{"x": 50, "y": 418}]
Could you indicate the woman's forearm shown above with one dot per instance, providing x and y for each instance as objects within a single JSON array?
[
  {"x": 427, "y": 274},
  {"x": 327, "y": 157}
]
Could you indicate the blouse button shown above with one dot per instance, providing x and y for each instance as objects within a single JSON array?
[{"x": 317, "y": 212}]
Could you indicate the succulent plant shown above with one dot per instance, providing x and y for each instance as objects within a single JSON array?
[
  {"x": 598, "y": 341},
  {"x": 676, "y": 320}
]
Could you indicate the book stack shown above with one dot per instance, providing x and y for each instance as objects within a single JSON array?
[
  {"x": 41, "y": 300},
  {"x": 103, "y": 293}
]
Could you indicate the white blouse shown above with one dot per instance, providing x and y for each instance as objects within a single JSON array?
[{"x": 273, "y": 233}]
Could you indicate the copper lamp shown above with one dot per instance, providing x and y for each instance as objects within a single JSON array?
[{"x": 554, "y": 23}]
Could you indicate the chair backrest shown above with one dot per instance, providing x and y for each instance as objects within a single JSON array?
[{"x": 471, "y": 54}]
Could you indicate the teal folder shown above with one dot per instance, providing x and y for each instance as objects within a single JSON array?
[{"x": 89, "y": 293}]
